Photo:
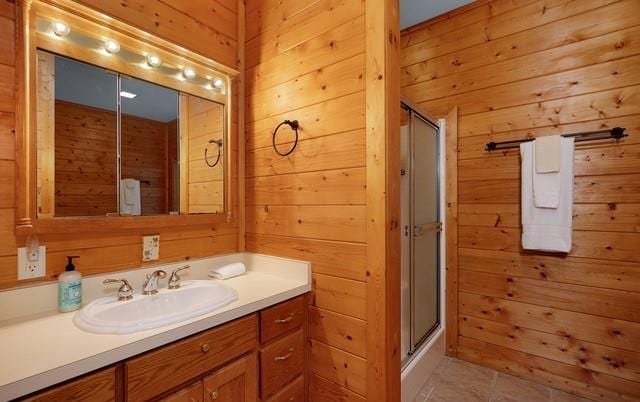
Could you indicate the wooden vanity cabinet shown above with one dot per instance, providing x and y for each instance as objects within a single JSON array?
[{"x": 259, "y": 357}]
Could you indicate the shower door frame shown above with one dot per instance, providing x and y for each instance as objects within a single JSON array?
[{"x": 415, "y": 345}]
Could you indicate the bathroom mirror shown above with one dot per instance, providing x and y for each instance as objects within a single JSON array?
[
  {"x": 114, "y": 145},
  {"x": 117, "y": 127}
]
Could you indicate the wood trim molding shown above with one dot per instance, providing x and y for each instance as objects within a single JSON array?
[
  {"x": 241, "y": 90},
  {"x": 383, "y": 199},
  {"x": 451, "y": 225},
  {"x": 25, "y": 142}
]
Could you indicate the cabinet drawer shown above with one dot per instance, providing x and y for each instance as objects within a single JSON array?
[
  {"x": 99, "y": 386},
  {"x": 281, "y": 362},
  {"x": 293, "y": 392},
  {"x": 281, "y": 318},
  {"x": 169, "y": 366}
]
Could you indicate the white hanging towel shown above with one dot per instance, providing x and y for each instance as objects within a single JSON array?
[
  {"x": 547, "y": 229},
  {"x": 130, "y": 197},
  {"x": 228, "y": 271},
  {"x": 546, "y": 175}
]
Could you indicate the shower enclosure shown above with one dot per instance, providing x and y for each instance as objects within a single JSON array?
[{"x": 421, "y": 229}]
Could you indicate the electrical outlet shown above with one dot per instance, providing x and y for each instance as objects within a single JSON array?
[
  {"x": 32, "y": 263},
  {"x": 150, "y": 247}
]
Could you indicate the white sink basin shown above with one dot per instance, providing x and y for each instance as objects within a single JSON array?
[{"x": 111, "y": 316}]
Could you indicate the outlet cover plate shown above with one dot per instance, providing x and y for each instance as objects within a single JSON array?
[
  {"x": 150, "y": 248},
  {"x": 32, "y": 269}
]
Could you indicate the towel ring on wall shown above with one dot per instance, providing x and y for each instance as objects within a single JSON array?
[
  {"x": 294, "y": 126},
  {"x": 206, "y": 157}
]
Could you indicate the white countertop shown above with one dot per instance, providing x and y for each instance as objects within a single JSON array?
[{"x": 40, "y": 352}]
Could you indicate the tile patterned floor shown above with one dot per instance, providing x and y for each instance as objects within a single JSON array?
[{"x": 459, "y": 381}]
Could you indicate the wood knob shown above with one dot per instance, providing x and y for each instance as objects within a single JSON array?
[
  {"x": 214, "y": 395},
  {"x": 205, "y": 347}
]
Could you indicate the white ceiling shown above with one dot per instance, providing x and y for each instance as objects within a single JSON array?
[
  {"x": 413, "y": 12},
  {"x": 85, "y": 84}
]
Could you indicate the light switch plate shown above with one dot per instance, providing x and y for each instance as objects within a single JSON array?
[
  {"x": 33, "y": 267},
  {"x": 150, "y": 247}
]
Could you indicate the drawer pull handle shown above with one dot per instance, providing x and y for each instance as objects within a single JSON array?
[
  {"x": 205, "y": 347},
  {"x": 284, "y": 320},
  {"x": 285, "y": 357},
  {"x": 214, "y": 395}
]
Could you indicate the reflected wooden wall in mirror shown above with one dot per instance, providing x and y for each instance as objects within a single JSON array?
[{"x": 119, "y": 123}]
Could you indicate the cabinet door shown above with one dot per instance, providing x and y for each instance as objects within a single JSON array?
[
  {"x": 192, "y": 393},
  {"x": 236, "y": 382}
]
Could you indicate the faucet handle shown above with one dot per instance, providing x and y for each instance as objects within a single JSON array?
[
  {"x": 125, "y": 292},
  {"x": 174, "y": 279},
  {"x": 159, "y": 273}
]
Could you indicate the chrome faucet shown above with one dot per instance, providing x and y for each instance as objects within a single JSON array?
[
  {"x": 150, "y": 287},
  {"x": 174, "y": 279},
  {"x": 125, "y": 292}
]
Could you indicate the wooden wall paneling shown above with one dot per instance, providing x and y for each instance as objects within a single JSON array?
[
  {"x": 619, "y": 334},
  {"x": 311, "y": 205},
  {"x": 383, "y": 199},
  {"x": 321, "y": 390},
  {"x": 338, "y": 366},
  {"x": 559, "y": 375},
  {"x": 451, "y": 231},
  {"x": 239, "y": 104},
  {"x": 337, "y": 329},
  {"x": 565, "y": 320},
  {"x": 169, "y": 22},
  {"x": 333, "y": 116},
  {"x": 523, "y": 47},
  {"x": 588, "y": 355},
  {"x": 341, "y": 259},
  {"x": 622, "y": 275},
  {"x": 318, "y": 17}
]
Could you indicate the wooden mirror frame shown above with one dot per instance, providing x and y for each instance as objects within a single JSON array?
[{"x": 28, "y": 41}]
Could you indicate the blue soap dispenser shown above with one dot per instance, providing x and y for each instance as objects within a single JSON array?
[{"x": 69, "y": 287}]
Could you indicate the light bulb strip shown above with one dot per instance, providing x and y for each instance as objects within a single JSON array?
[{"x": 111, "y": 46}]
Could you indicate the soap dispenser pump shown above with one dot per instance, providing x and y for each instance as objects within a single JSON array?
[{"x": 69, "y": 287}]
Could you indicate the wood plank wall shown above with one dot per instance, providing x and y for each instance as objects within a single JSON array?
[
  {"x": 305, "y": 60},
  {"x": 209, "y": 27},
  {"x": 99, "y": 253},
  {"x": 524, "y": 68}
]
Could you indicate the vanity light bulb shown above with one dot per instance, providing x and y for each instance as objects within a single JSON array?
[
  {"x": 111, "y": 46},
  {"x": 217, "y": 83},
  {"x": 60, "y": 28},
  {"x": 154, "y": 61},
  {"x": 189, "y": 73}
]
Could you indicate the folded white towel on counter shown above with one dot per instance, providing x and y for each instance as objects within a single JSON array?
[
  {"x": 228, "y": 271},
  {"x": 546, "y": 181},
  {"x": 547, "y": 229}
]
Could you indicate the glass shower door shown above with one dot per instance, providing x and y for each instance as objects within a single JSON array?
[{"x": 426, "y": 229}]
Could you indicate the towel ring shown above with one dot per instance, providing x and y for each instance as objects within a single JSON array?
[
  {"x": 294, "y": 126},
  {"x": 206, "y": 157}
]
